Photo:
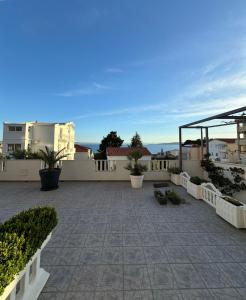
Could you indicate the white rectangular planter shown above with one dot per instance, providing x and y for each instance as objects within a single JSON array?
[
  {"x": 194, "y": 190},
  {"x": 29, "y": 283},
  {"x": 235, "y": 215},
  {"x": 175, "y": 178}
]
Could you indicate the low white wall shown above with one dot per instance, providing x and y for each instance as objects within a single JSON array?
[{"x": 86, "y": 170}]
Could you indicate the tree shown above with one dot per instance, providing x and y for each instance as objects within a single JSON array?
[
  {"x": 111, "y": 140},
  {"x": 136, "y": 141}
]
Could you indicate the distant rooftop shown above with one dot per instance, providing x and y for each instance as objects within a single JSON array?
[
  {"x": 80, "y": 148},
  {"x": 226, "y": 140}
]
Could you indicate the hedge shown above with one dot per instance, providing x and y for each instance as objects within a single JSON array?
[
  {"x": 160, "y": 197},
  {"x": 20, "y": 237},
  {"x": 173, "y": 197}
]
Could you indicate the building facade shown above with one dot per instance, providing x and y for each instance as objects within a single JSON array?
[
  {"x": 224, "y": 150},
  {"x": 35, "y": 136},
  {"x": 82, "y": 152}
]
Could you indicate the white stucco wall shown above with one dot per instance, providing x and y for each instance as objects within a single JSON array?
[{"x": 86, "y": 170}]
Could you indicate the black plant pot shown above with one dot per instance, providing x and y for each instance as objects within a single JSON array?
[{"x": 49, "y": 179}]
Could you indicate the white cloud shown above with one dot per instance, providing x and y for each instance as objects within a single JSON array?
[{"x": 92, "y": 89}]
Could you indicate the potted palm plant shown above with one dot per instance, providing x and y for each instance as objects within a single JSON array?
[
  {"x": 50, "y": 175},
  {"x": 136, "y": 169}
]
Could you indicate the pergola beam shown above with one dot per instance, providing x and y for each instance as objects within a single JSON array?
[{"x": 226, "y": 115}]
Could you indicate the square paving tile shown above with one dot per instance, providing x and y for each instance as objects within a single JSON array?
[
  {"x": 60, "y": 278},
  {"x": 167, "y": 295},
  {"x": 138, "y": 295},
  {"x": 212, "y": 276},
  {"x": 226, "y": 294},
  {"x": 136, "y": 277},
  {"x": 113, "y": 240},
  {"x": 89, "y": 256},
  {"x": 110, "y": 278},
  {"x": 155, "y": 255},
  {"x": 235, "y": 273},
  {"x": 186, "y": 276},
  {"x": 113, "y": 255},
  {"x": 161, "y": 276},
  {"x": 201, "y": 294},
  {"x": 85, "y": 278},
  {"x": 134, "y": 255},
  {"x": 94, "y": 240}
]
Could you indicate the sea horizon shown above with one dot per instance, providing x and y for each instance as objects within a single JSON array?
[{"x": 153, "y": 147}]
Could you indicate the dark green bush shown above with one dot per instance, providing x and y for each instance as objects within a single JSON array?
[
  {"x": 160, "y": 197},
  {"x": 174, "y": 170},
  {"x": 196, "y": 180},
  {"x": 20, "y": 237},
  {"x": 173, "y": 197},
  {"x": 233, "y": 201}
]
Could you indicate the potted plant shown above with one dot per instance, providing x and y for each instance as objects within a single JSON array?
[
  {"x": 136, "y": 169},
  {"x": 194, "y": 187},
  {"x": 50, "y": 175},
  {"x": 175, "y": 178}
]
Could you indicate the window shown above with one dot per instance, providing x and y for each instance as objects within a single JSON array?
[
  {"x": 14, "y": 147},
  {"x": 15, "y": 128},
  {"x": 11, "y": 128}
]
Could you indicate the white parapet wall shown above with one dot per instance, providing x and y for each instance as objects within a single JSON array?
[
  {"x": 84, "y": 170},
  {"x": 90, "y": 170}
]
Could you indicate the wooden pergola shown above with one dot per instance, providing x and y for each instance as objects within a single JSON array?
[{"x": 232, "y": 118}]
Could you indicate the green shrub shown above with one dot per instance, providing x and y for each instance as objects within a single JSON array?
[
  {"x": 196, "y": 180},
  {"x": 173, "y": 197},
  {"x": 160, "y": 197},
  {"x": 174, "y": 170},
  {"x": 20, "y": 237},
  {"x": 12, "y": 257}
]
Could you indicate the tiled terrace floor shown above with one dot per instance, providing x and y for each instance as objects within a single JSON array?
[{"x": 113, "y": 242}]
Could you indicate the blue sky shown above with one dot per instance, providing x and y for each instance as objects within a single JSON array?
[{"x": 141, "y": 65}]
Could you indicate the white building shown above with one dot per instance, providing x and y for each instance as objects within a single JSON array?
[
  {"x": 35, "y": 136},
  {"x": 224, "y": 150},
  {"x": 83, "y": 153},
  {"x": 121, "y": 153}
]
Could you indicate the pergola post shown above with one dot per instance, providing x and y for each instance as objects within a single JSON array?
[
  {"x": 201, "y": 143},
  {"x": 207, "y": 141},
  {"x": 238, "y": 142},
  {"x": 180, "y": 148}
]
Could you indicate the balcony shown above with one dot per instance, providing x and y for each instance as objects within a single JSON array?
[
  {"x": 112, "y": 241},
  {"x": 242, "y": 128}
]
